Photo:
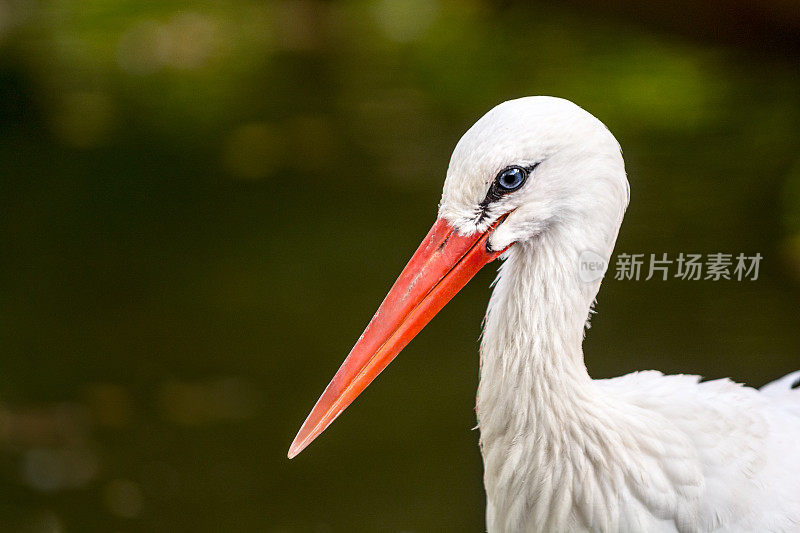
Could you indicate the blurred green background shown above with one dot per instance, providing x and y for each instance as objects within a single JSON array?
[{"x": 203, "y": 204}]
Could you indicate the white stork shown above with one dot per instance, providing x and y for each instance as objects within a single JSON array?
[{"x": 538, "y": 181}]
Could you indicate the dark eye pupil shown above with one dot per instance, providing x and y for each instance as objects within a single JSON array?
[{"x": 511, "y": 178}]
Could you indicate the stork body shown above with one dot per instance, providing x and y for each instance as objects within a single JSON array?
[
  {"x": 541, "y": 181},
  {"x": 640, "y": 453}
]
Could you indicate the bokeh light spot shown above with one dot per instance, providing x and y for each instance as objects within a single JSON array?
[
  {"x": 50, "y": 470},
  {"x": 405, "y": 20},
  {"x": 186, "y": 41},
  {"x": 217, "y": 400}
]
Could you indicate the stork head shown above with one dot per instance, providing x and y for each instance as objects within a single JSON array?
[
  {"x": 526, "y": 167},
  {"x": 540, "y": 162}
]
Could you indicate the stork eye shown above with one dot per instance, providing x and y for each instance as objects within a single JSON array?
[
  {"x": 511, "y": 178},
  {"x": 508, "y": 180}
]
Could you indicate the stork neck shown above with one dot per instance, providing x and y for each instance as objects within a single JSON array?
[
  {"x": 531, "y": 354},
  {"x": 550, "y": 436},
  {"x": 534, "y": 392}
]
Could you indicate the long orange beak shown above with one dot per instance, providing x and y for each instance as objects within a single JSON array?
[{"x": 441, "y": 266}]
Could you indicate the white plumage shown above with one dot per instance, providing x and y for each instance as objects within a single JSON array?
[
  {"x": 544, "y": 181},
  {"x": 563, "y": 452}
]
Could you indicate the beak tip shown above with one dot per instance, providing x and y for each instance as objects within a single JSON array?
[{"x": 296, "y": 448}]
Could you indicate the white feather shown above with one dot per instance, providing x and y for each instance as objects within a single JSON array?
[{"x": 563, "y": 452}]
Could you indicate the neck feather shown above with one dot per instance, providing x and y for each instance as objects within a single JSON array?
[
  {"x": 531, "y": 356},
  {"x": 556, "y": 445}
]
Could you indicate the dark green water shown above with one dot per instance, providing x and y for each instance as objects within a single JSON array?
[{"x": 202, "y": 207}]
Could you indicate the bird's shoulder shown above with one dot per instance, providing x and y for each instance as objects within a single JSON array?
[
  {"x": 745, "y": 441},
  {"x": 785, "y": 392},
  {"x": 689, "y": 398}
]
